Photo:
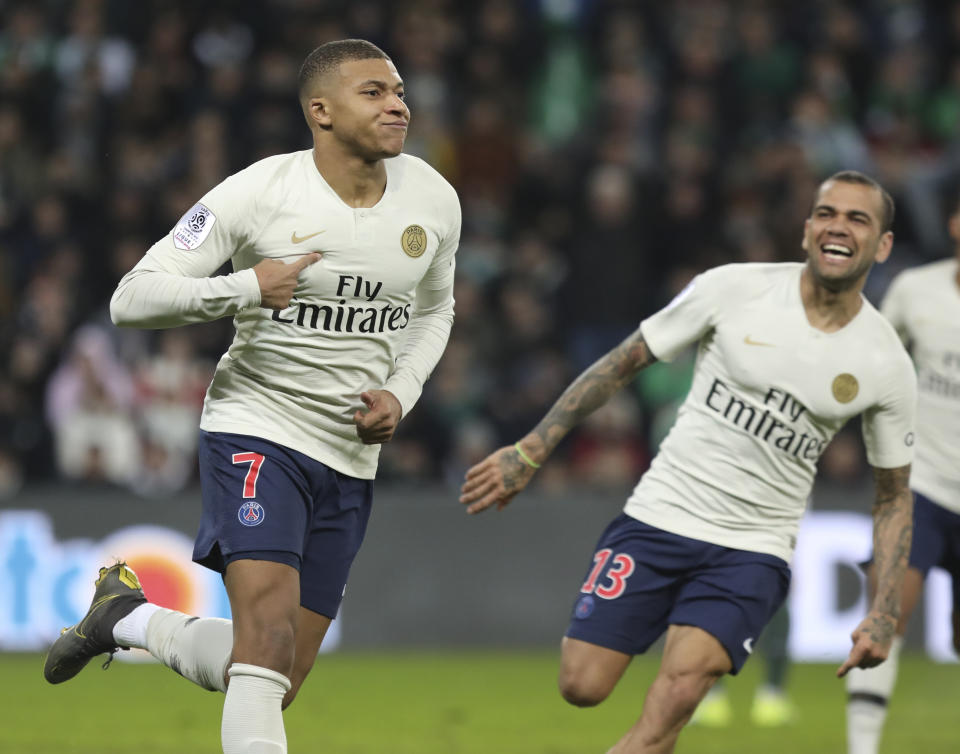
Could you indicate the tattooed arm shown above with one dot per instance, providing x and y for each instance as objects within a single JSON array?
[
  {"x": 501, "y": 475},
  {"x": 892, "y": 533}
]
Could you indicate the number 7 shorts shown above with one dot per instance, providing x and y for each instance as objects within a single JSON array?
[
  {"x": 643, "y": 579},
  {"x": 264, "y": 501}
]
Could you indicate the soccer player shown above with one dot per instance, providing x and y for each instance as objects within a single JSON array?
[
  {"x": 341, "y": 294},
  {"x": 924, "y": 306},
  {"x": 787, "y": 353}
]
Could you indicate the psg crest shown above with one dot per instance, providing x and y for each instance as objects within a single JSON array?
[
  {"x": 413, "y": 241},
  {"x": 845, "y": 387},
  {"x": 251, "y": 514},
  {"x": 584, "y": 607}
]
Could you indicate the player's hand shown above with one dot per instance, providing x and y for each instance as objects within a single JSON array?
[
  {"x": 278, "y": 280},
  {"x": 495, "y": 480},
  {"x": 871, "y": 642},
  {"x": 378, "y": 423}
]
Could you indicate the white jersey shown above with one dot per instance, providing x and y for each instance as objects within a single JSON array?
[
  {"x": 924, "y": 306},
  {"x": 374, "y": 313},
  {"x": 769, "y": 392}
]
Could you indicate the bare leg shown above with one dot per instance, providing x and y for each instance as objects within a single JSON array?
[
  {"x": 589, "y": 672},
  {"x": 265, "y": 600},
  {"x": 311, "y": 628},
  {"x": 692, "y": 662}
]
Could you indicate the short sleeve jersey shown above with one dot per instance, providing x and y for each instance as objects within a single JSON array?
[
  {"x": 294, "y": 376},
  {"x": 769, "y": 392},
  {"x": 924, "y": 306}
]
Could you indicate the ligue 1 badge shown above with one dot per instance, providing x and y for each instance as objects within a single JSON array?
[
  {"x": 251, "y": 514},
  {"x": 193, "y": 227},
  {"x": 198, "y": 219},
  {"x": 845, "y": 387},
  {"x": 413, "y": 241}
]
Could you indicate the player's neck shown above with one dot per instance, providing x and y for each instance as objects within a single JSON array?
[
  {"x": 829, "y": 310},
  {"x": 357, "y": 182}
]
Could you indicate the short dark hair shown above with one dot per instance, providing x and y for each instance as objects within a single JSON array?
[
  {"x": 855, "y": 176},
  {"x": 328, "y": 57}
]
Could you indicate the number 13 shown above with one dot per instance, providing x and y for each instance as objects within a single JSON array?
[{"x": 622, "y": 567}]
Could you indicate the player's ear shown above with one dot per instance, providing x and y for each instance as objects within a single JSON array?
[
  {"x": 318, "y": 111},
  {"x": 806, "y": 228},
  {"x": 884, "y": 247}
]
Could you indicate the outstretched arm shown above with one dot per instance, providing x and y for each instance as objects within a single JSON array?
[
  {"x": 892, "y": 534},
  {"x": 501, "y": 475}
]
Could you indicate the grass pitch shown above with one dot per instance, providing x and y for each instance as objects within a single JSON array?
[{"x": 442, "y": 703}]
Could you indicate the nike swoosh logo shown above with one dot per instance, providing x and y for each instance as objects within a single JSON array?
[
  {"x": 294, "y": 238},
  {"x": 748, "y": 645},
  {"x": 751, "y": 342}
]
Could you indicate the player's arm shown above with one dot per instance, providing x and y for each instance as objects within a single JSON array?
[
  {"x": 428, "y": 332},
  {"x": 174, "y": 283},
  {"x": 892, "y": 533},
  {"x": 431, "y": 320},
  {"x": 504, "y": 473}
]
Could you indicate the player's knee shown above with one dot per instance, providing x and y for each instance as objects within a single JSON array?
[{"x": 582, "y": 690}]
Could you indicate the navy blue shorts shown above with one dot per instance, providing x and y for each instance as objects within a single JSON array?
[
  {"x": 263, "y": 501},
  {"x": 644, "y": 579},
  {"x": 936, "y": 541}
]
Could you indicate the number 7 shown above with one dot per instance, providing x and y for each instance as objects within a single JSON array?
[{"x": 250, "y": 482}]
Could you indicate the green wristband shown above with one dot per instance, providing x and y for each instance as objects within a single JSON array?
[{"x": 525, "y": 458}]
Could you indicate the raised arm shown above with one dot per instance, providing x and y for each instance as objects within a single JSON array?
[
  {"x": 501, "y": 475},
  {"x": 892, "y": 534}
]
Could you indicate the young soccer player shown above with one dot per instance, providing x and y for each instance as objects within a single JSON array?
[{"x": 341, "y": 294}]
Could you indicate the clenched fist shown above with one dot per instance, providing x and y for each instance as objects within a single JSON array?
[{"x": 376, "y": 425}]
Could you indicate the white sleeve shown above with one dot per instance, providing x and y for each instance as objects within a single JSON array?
[
  {"x": 888, "y": 426},
  {"x": 430, "y": 324},
  {"x": 894, "y": 306},
  {"x": 686, "y": 319},
  {"x": 172, "y": 286}
]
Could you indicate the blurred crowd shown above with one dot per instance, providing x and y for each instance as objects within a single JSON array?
[{"x": 604, "y": 152}]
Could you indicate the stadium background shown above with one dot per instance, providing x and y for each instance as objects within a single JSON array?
[{"x": 604, "y": 152}]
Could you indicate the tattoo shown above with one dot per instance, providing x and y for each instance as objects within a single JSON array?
[
  {"x": 591, "y": 390},
  {"x": 514, "y": 473},
  {"x": 892, "y": 534},
  {"x": 880, "y": 628}
]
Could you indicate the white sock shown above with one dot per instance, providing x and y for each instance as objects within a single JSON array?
[
  {"x": 252, "y": 719},
  {"x": 131, "y": 630},
  {"x": 196, "y": 648},
  {"x": 868, "y": 692}
]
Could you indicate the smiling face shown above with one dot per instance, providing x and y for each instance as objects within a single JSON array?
[
  {"x": 361, "y": 105},
  {"x": 844, "y": 236}
]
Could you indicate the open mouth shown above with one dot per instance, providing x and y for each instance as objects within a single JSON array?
[{"x": 836, "y": 251}]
